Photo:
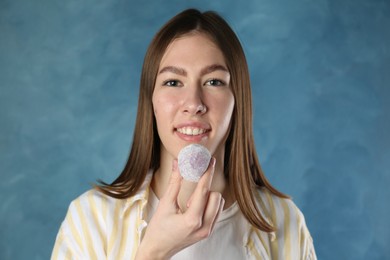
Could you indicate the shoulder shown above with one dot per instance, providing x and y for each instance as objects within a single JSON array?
[
  {"x": 289, "y": 222},
  {"x": 94, "y": 210},
  {"x": 92, "y": 219},
  {"x": 279, "y": 211},
  {"x": 98, "y": 205},
  {"x": 84, "y": 230},
  {"x": 93, "y": 201}
]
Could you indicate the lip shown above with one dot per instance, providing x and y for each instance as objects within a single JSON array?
[
  {"x": 195, "y": 125},
  {"x": 193, "y": 138}
]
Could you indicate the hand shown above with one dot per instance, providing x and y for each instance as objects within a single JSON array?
[{"x": 170, "y": 230}]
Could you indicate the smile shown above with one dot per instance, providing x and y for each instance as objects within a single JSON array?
[{"x": 191, "y": 130}]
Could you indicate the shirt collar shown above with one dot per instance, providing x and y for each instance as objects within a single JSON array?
[{"x": 141, "y": 195}]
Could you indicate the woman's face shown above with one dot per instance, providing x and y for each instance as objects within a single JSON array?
[{"x": 192, "y": 98}]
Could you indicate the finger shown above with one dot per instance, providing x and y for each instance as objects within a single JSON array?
[
  {"x": 205, "y": 179},
  {"x": 190, "y": 200},
  {"x": 174, "y": 183},
  {"x": 210, "y": 216},
  {"x": 201, "y": 193},
  {"x": 221, "y": 206}
]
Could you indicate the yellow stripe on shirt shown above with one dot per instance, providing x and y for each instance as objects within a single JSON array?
[
  {"x": 86, "y": 231},
  {"x": 125, "y": 232},
  {"x": 115, "y": 236},
  {"x": 73, "y": 229},
  {"x": 287, "y": 234},
  {"x": 274, "y": 243},
  {"x": 95, "y": 213}
]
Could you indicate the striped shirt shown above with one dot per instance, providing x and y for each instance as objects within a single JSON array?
[{"x": 101, "y": 227}]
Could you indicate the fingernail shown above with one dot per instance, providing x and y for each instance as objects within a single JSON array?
[{"x": 213, "y": 161}]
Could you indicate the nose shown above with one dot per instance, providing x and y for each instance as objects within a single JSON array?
[{"x": 193, "y": 103}]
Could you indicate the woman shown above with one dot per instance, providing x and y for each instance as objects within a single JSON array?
[{"x": 194, "y": 89}]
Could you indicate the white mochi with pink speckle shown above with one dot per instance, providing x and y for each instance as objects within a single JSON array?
[{"x": 193, "y": 161}]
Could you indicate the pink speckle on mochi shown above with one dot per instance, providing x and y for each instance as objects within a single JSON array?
[{"x": 193, "y": 161}]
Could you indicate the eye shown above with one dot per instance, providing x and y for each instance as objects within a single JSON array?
[
  {"x": 171, "y": 83},
  {"x": 215, "y": 82}
]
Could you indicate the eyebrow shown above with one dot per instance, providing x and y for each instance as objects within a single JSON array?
[
  {"x": 174, "y": 70},
  {"x": 204, "y": 71},
  {"x": 212, "y": 68}
]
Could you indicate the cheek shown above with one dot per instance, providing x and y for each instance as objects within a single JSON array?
[
  {"x": 228, "y": 115},
  {"x": 226, "y": 107},
  {"x": 162, "y": 106}
]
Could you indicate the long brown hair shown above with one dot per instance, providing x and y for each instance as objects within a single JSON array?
[{"x": 242, "y": 168}]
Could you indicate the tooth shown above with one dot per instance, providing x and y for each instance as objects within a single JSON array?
[
  {"x": 191, "y": 131},
  {"x": 188, "y": 131}
]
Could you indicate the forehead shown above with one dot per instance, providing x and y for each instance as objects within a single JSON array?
[{"x": 192, "y": 47}]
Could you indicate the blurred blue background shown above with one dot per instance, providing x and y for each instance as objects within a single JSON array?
[{"x": 69, "y": 75}]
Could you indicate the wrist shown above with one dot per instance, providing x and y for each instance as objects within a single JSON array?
[{"x": 148, "y": 253}]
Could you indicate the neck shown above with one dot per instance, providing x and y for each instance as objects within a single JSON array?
[{"x": 219, "y": 184}]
